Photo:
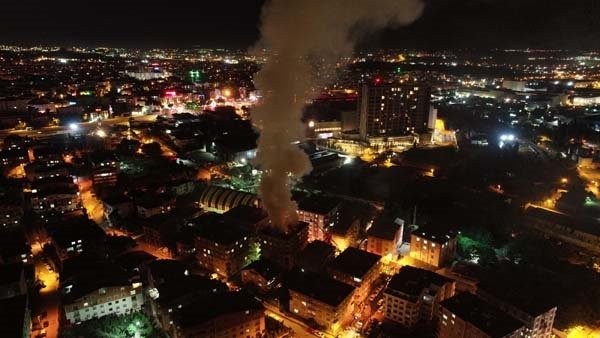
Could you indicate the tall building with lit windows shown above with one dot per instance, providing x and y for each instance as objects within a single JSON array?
[
  {"x": 392, "y": 109},
  {"x": 433, "y": 246},
  {"x": 98, "y": 292},
  {"x": 467, "y": 316},
  {"x": 413, "y": 295}
]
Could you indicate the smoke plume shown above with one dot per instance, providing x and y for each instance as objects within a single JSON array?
[{"x": 305, "y": 40}]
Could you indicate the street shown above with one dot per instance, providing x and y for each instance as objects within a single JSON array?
[
  {"x": 91, "y": 203},
  {"x": 48, "y": 300},
  {"x": 82, "y": 127}
]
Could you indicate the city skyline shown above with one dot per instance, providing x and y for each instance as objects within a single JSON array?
[{"x": 328, "y": 168}]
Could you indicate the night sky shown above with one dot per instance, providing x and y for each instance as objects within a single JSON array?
[{"x": 233, "y": 24}]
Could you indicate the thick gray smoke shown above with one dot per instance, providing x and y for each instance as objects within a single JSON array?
[{"x": 299, "y": 34}]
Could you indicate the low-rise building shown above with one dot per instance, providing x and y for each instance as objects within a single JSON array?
[
  {"x": 159, "y": 230},
  {"x": 433, "y": 247},
  {"x": 10, "y": 216},
  {"x": 148, "y": 206},
  {"x": 222, "y": 248},
  {"x": 105, "y": 168},
  {"x": 344, "y": 232},
  {"x": 101, "y": 292},
  {"x": 413, "y": 295},
  {"x": 315, "y": 256},
  {"x": 13, "y": 157},
  {"x": 230, "y": 314},
  {"x": 38, "y": 171},
  {"x": 385, "y": 236},
  {"x": 181, "y": 187},
  {"x": 525, "y": 300},
  {"x": 120, "y": 204},
  {"x": 179, "y": 291},
  {"x": 320, "y": 213},
  {"x": 538, "y": 318},
  {"x": 75, "y": 236},
  {"x": 358, "y": 268},
  {"x": 577, "y": 231},
  {"x": 262, "y": 275},
  {"x": 280, "y": 247},
  {"x": 466, "y": 316},
  {"x": 63, "y": 198},
  {"x": 218, "y": 199},
  {"x": 321, "y": 298}
]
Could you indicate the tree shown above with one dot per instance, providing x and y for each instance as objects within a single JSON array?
[{"x": 127, "y": 326}]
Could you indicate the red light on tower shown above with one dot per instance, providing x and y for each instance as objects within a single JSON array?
[{"x": 377, "y": 80}]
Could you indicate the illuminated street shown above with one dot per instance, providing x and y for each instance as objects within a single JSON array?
[
  {"x": 49, "y": 298},
  {"x": 82, "y": 127},
  {"x": 91, "y": 203}
]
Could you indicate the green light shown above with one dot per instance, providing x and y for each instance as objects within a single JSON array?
[{"x": 195, "y": 75}]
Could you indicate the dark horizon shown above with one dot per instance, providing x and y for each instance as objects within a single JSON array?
[{"x": 455, "y": 24}]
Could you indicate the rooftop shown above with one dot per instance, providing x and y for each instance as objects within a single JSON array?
[
  {"x": 246, "y": 214},
  {"x": 223, "y": 303},
  {"x": 89, "y": 281},
  {"x": 133, "y": 259},
  {"x": 221, "y": 232},
  {"x": 384, "y": 228},
  {"x": 80, "y": 228},
  {"x": 265, "y": 268},
  {"x": 437, "y": 235},
  {"x": 225, "y": 199},
  {"x": 485, "y": 317},
  {"x": 272, "y": 231},
  {"x": 318, "y": 204},
  {"x": 317, "y": 251},
  {"x": 411, "y": 281},
  {"x": 526, "y": 294},
  {"x": 319, "y": 287},
  {"x": 188, "y": 286},
  {"x": 154, "y": 200},
  {"x": 354, "y": 262},
  {"x": 347, "y": 217},
  {"x": 165, "y": 270},
  {"x": 586, "y": 225}
]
